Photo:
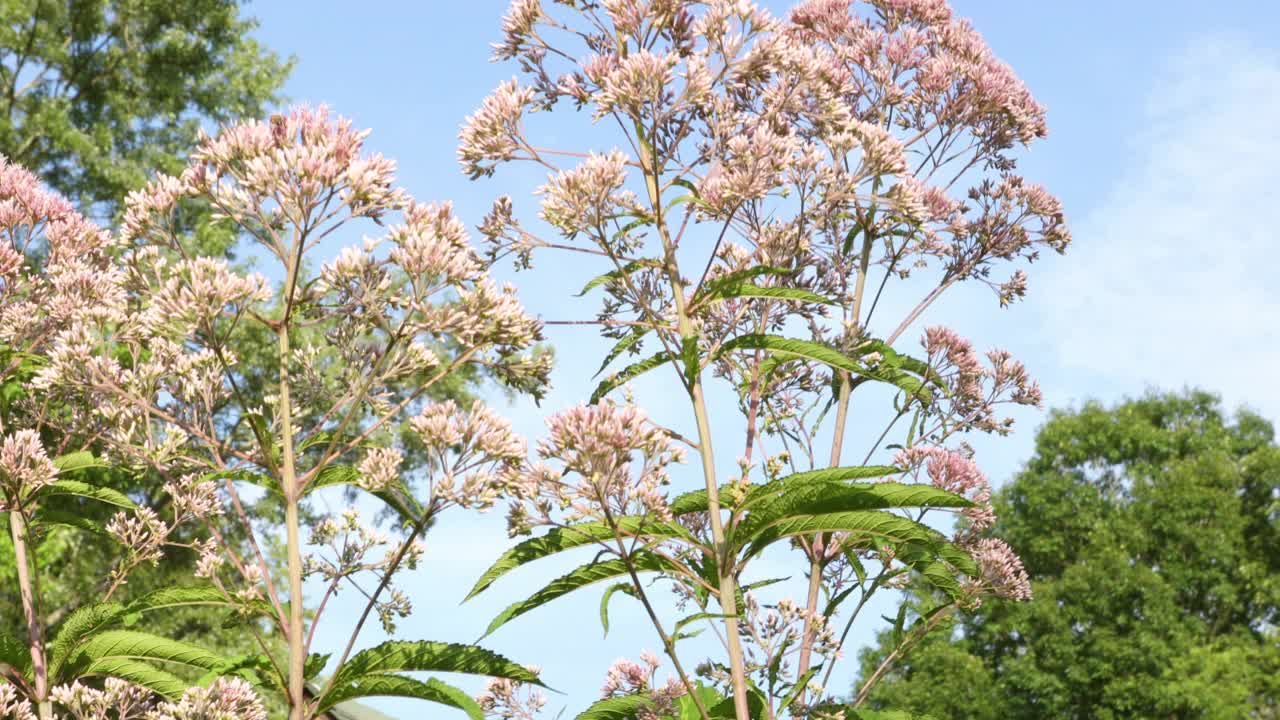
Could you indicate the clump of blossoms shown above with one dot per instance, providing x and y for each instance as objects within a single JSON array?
[
  {"x": 626, "y": 678},
  {"x": 511, "y": 699},
  {"x": 768, "y": 180},
  {"x": 228, "y": 384},
  {"x": 225, "y": 699},
  {"x": 612, "y": 463}
]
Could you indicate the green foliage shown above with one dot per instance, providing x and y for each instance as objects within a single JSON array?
[
  {"x": 1151, "y": 532},
  {"x": 371, "y": 673},
  {"x": 99, "y": 94}
]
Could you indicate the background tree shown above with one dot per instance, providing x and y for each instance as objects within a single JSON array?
[
  {"x": 96, "y": 95},
  {"x": 1151, "y": 532}
]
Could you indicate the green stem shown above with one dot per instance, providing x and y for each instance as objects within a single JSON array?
[
  {"x": 35, "y": 633},
  {"x": 727, "y": 580},
  {"x": 292, "y": 491}
]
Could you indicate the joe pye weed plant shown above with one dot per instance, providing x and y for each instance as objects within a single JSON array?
[
  {"x": 146, "y": 362},
  {"x": 768, "y": 179}
]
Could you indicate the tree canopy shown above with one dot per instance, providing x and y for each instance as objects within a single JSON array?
[
  {"x": 96, "y": 95},
  {"x": 1151, "y": 532}
]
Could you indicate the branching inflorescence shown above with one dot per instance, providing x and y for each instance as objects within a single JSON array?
[{"x": 765, "y": 180}]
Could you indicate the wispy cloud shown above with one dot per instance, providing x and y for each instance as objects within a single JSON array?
[{"x": 1175, "y": 277}]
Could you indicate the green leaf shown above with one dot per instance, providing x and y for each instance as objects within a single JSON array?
[
  {"x": 867, "y": 523},
  {"x": 79, "y": 625},
  {"x": 799, "y": 686},
  {"x": 576, "y": 579},
  {"x": 604, "y": 602},
  {"x": 332, "y": 475},
  {"x": 688, "y": 620},
  {"x": 415, "y": 655},
  {"x": 711, "y": 287},
  {"x": 747, "y": 290},
  {"x": 788, "y": 348},
  {"x": 171, "y": 597},
  {"x": 689, "y": 357},
  {"x": 145, "y": 646},
  {"x": 559, "y": 540},
  {"x": 617, "y": 274},
  {"x": 616, "y": 708},
  {"x": 138, "y": 673},
  {"x": 381, "y": 685},
  {"x": 848, "y": 712},
  {"x": 688, "y": 710},
  {"x": 15, "y": 654},
  {"x": 725, "y": 709},
  {"x": 629, "y": 373},
  {"x": 107, "y": 495},
  {"x": 626, "y": 343},
  {"x": 46, "y": 516},
  {"x": 315, "y": 663},
  {"x": 822, "y": 498},
  {"x": 76, "y": 461}
]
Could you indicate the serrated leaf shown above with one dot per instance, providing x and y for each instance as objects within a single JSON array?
[
  {"x": 800, "y": 685},
  {"x": 617, "y": 274},
  {"x": 604, "y": 602},
  {"x": 76, "y": 461},
  {"x": 576, "y": 579},
  {"x": 107, "y": 495},
  {"x": 559, "y": 540},
  {"x": 785, "y": 348},
  {"x": 728, "y": 280},
  {"x": 138, "y": 673},
  {"x": 79, "y": 625},
  {"x": 822, "y": 498},
  {"x": 145, "y": 646},
  {"x": 15, "y": 654},
  {"x": 381, "y": 685},
  {"x": 172, "y": 597},
  {"x": 748, "y": 290},
  {"x": 315, "y": 663},
  {"x": 332, "y": 475},
  {"x": 616, "y": 708},
  {"x": 47, "y": 516},
  {"x": 415, "y": 655},
  {"x": 628, "y": 373},
  {"x": 689, "y": 358},
  {"x": 865, "y": 523},
  {"x": 631, "y": 339}
]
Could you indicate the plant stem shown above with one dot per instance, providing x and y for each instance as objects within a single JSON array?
[
  {"x": 837, "y": 448},
  {"x": 35, "y": 633},
  {"x": 292, "y": 491},
  {"x": 668, "y": 643},
  {"x": 728, "y": 593}
]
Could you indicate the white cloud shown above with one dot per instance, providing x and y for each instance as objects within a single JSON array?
[{"x": 1175, "y": 277}]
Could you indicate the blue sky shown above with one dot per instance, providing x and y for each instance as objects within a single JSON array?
[{"x": 1163, "y": 145}]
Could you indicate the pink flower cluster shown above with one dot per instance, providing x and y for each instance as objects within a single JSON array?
[
  {"x": 954, "y": 472},
  {"x": 475, "y": 452},
  {"x": 619, "y": 457},
  {"x": 55, "y": 265},
  {"x": 25, "y": 468},
  {"x": 510, "y": 699},
  {"x": 625, "y": 677},
  {"x": 975, "y": 389},
  {"x": 1001, "y": 569}
]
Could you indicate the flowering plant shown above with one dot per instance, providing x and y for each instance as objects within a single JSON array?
[
  {"x": 152, "y": 353},
  {"x": 768, "y": 178}
]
